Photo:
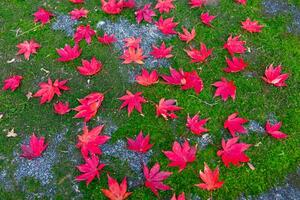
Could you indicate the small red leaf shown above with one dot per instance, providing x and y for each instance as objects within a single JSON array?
[
  {"x": 116, "y": 191},
  {"x": 147, "y": 78},
  {"x": 225, "y": 89},
  {"x": 273, "y": 130},
  {"x": 90, "y": 68},
  {"x": 206, "y": 18},
  {"x": 186, "y": 35},
  {"x": 235, "y": 45},
  {"x": 28, "y": 48},
  {"x": 42, "y": 16},
  {"x": 145, "y": 13},
  {"x": 68, "y": 53},
  {"x": 78, "y": 13},
  {"x": 196, "y": 125},
  {"x": 273, "y": 76},
  {"x": 12, "y": 83},
  {"x": 166, "y": 108},
  {"x": 235, "y": 124},
  {"x": 35, "y": 147},
  {"x": 210, "y": 179},
  {"x": 199, "y": 56},
  {"x": 235, "y": 65},
  {"x": 61, "y": 108},
  {"x": 161, "y": 52},
  {"x": 140, "y": 144},
  {"x": 84, "y": 32},
  {"x": 166, "y": 26},
  {"x": 252, "y": 26},
  {"x": 132, "y": 101},
  {"x": 164, "y": 6}
]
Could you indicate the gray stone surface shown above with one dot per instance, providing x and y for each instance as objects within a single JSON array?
[{"x": 65, "y": 23}]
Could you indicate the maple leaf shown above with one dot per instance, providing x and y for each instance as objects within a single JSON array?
[
  {"x": 78, "y": 13},
  {"x": 210, "y": 179},
  {"x": 49, "y": 89},
  {"x": 175, "y": 78},
  {"x": 195, "y": 124},
  {"x": 76, "y": 1},
  {"x": 89, "y": 106},
  {"x": 147, "y": 78},
  {"x": 252, "y": 26},
  {"x": 206, "y": 18},
  {"x": 132, "y": 101},
  {"x": 28, "y": 48},
  {"x": 193, "y": 81},
  {"x": 140, "y": 144},
  {"x": 166, "y": 26},
  {"x": 233, "y": 152},
  {"x": 273, "y": 76},
  {"x": 235, "y": 45},
  {"x": 235, "y": 65},
  {"x": 154, "y": 178},
  {"x": 35, "y": 147},
  {"x": 197, "y": 3},
  {"x": 181, "y": 155},
  {"x": 225, "y": 89},
  {"x": 112, "y": 7},
  {"x": 243, "y": 2},
  {"x": 273, "y": 130},
  {"x": 42, "y": 16},
  {"x": 166, "y": 108},
  {"x": 90, "y": 169},
  {"x": 68, "y": 53},
  {"x": 107, "y": 39},
  {"x": 235, "y": 124},
  {"x": 133, "y": 55},
  {"x": 186, "y": 35},
  {"x": 90, "y": 68},
  {"x": 116, "y": 191},
  {"x": 84, "y": 32},
  {"x": 12, "y": 82},
  {"x": 199, "y": 56},
  {"x": 61, "y": 108},
  {"x": 161, "y": 52},
  {"x": 132, "y": 42},
  {"x": 164, "y": 5},
  {"x": 90, "y": 141},
  {"x": 129, "y": 4},
  {"x": 145, "y": 13},
  {"x": 180, "y": 197}
]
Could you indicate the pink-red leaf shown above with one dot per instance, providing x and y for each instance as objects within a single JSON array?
[
  {"x": 132, "y": 55},
  {"x": 235, "y": 45},
  {"x": 210, "y": 179},
  {"x": 196, "y": 125},
  {"x": 84, "y": 32},
  {"x": 78, "y": 13},
  {"x": 274, "y": 77},
  {"x": 181, "y": 155},
  {"x": 42, "y": 16},
  {"x": 132, "y": 101},
  {"x": 199, "y": 56},
  {"x": 235, "y": 65},
  {"x": 164, "y": 6},
  {"x": 166, "y": 108},
  {"x": 273, "y": 130},
  {"x": 233, "y": 152},
  {"x": 68, "y": 53},
  {"x": 243, "y": 2},
  {"x": 112, "y": 7},
  {"x": 12, "y": 82},
  {"x": 61, "y": 108},
  {"x": 107, "y": 39},
  {"x": 147, "y": 78},
  {"x": 145, "y": 13},
  {"x": 116, "y": 191},
  {"x": 154, "y": 178},
  {"x": 161, "y": 52},
  {"x": 186, "y": 35},
  {"x": 140, "y": 144},
  {"x": 252, "y": 26},
  {"x": 197, "y": 3},
  {"x": 235, "y": 124},
  {"x": 132, "y": 42},
  {"x": 206, "y": 18},
  {"x": 166, "y": 26},
  {"x": 90, "y": 68},
  {"x": 89, "y": 106},
  {"x": 180, "y": 197},
  {"x": 28, "y": 48},
  {"x": 35, "y": 147},
  {"x": 225, "y": 89}
]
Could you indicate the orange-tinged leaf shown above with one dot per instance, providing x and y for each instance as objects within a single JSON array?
[
  {"x": 210, "y": 179},
  {"x": 116, "y": 191},
  {"x": 133, "y": 55},
  {"x": 132, "y": 101},
  {"x": 146, "y": 78}
]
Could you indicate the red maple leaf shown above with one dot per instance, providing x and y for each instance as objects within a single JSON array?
[
  {"x": 164, "y": 5},
  {"x": 225, "y": 89},
  {"x": 206, "y": 18},
  {"x": 193, "y": 81},
  {"x": 49, "y": 89},
  {"x": 116, "y": 191},
  {"x": 145, "y": 13},
  {"x": 107, "y": 39},
  {"x": 235, "y": 45},
  {"x": 61, "y": 108},
  {"x": 42, "y": 16},
  {"x": 195, "y": 124},
  {"x": 243, "y": 2},
  {"x": 78, "y": 13},
  {"x": 129, "y": 4},
  {"x": 199, "y": 56},
  {"x": 90, "y": 68},
  {"x": 197, "y": 3},
  {"x": 68, "y": 53},
  {"x": 161, "y": 52},
  {"x": 180, "y": 197},
  {"x": 132, "y": 101},
  {"x": 210, "y": 179},
  {"x": 252, "y": 26},
  {"x": 12, "y": 82},
  {"x": 235, "y": 124},
  {"x": 112, "y": 7},
  {"x": 233, "y": 152},
  {"x": 273, "y": 76},
  {"x": 28, "y": 48},
  {"x": 35, "y": 147},
  {"x": 140, "y": 144},
  {"x": 154, "y": 178},
  {"x": 166, "y": 26},
  {"x": 235, "y": 65},
  {"x": 90, "y": 169},
  {"x": 76, "y": 1},
  {"x": 147, "y": 78},
  {"x": 89, "y": 106},
  {"x": 175, "y": 78},
  {"x": 133, "y": 55},
  {"x": 84, "y": 32},
  {"x": 132, "y": 42},
  {"x": 186, "y": 35},
  {"x": 181, "y": 155},
  {"x": 166, "y": 108},
  {"x": 90, "y": 141},
  {"x": 273, "y": 130}
]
